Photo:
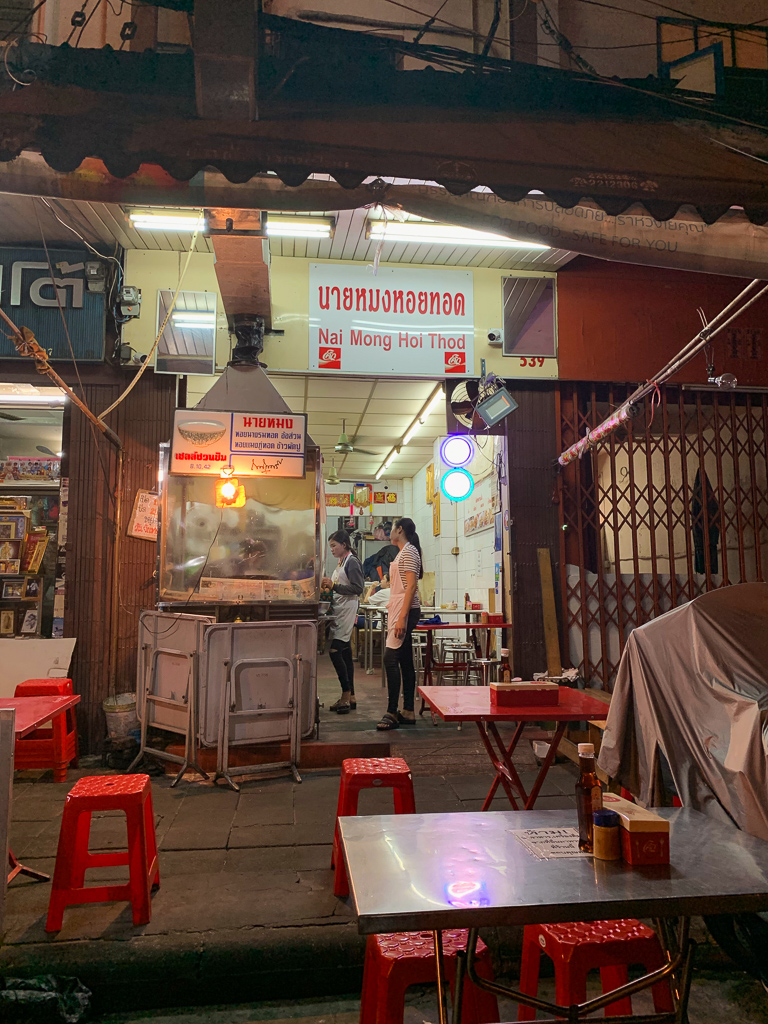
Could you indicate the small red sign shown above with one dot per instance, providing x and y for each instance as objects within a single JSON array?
[
  {"x": 330, "y": 358},
  {"x": 455, "y": 362}
]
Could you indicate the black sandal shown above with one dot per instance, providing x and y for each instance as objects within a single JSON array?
[
  {"x": 405, "y": 721},
  {"x": 387, "y": 722},
  {"x": 343, "y": 707}
]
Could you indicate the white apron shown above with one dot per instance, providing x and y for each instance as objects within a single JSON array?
[
  {"x": 395, "y": 604},
  {"x": 344, "y": 606}
]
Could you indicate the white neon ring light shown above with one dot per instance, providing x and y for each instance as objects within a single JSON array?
[
  {"x": 457, "y": 484},
  {"x": 457, "y": 450}
]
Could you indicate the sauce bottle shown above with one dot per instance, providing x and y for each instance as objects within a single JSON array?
[
  {"x": 589, "y": 796},
  {"x": 505, "y": 672}
]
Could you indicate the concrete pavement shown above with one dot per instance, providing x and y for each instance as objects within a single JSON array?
[{"x": 246, "y": 910}]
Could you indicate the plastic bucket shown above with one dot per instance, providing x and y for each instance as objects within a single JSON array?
[{"x": 120, "y": 712}]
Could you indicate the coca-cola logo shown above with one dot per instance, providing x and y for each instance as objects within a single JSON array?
[
  {"x": 455, "y": 362},
  {"x": 330, "y": 358}
]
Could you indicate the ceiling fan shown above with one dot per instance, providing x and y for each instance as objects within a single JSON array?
[
  {"x": 333, "y": 474},
  {"x": 345, "y": 447}
]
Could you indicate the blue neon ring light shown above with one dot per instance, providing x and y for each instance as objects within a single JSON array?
[
  {"x": 451, "y": 440},
  {"x": 453, "y": 473}
]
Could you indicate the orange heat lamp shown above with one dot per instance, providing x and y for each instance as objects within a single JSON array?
[{"x": 230, "y": 493}]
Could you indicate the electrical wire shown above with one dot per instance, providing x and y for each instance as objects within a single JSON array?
[
  {"x": 96, "y": 6},
  {"x": 6, "y": 50},
  {"x": 118, "y": 276},
  {"x": 492, "y": 30},
  {"x": 74, "y": 360},
  {"x": 23, "y": 21},
  {"x": 428, "y": 25},
  {"x": 151, "y": 352},
  {"x": 75, "y": 27}
]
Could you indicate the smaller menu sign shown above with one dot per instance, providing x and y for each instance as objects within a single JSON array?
[
  {"x": 143, "y": 522},
  {"x": 253, "y": 444}
]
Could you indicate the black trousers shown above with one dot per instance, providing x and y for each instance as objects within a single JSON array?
[
  {"x": 398, "y": 661},
  {"x": 341, "y": 656}
]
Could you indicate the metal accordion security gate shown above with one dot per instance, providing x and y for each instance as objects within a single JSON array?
[{"x": 672, "y": 504}]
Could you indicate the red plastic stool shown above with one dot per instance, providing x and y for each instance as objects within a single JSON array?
[
  {"x": 55, "y": 745},
  {"x": 129, "y": 793},
  {"x": 395, "y": 961},
  {"x": 368, "y": 773},
  {"x": 577, "y": 948}
]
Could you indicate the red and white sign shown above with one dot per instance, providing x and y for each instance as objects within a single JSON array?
[
  {"x": 252, "y": 444},
  {"x": 406, "y": 322}
]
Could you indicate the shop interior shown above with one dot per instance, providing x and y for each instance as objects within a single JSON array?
[{"x": 31, "y": 429}]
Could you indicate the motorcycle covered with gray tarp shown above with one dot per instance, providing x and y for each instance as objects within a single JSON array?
[{"x": 689, "y": 714}]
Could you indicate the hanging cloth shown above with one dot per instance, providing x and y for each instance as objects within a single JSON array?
[{"x": 710, "y": 535}]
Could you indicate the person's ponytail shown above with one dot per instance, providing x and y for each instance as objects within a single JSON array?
[{"x": 409, "y": 529}]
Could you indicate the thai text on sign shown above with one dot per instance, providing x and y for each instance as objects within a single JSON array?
[
  {"x": 143, "y": 522},
  {"x": 252, "y": 444},
  {"x": 412, "y": 322}
]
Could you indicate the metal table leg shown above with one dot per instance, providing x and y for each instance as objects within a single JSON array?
[
  {"x": 677, "y": 970},
  {"x": 442, "y": 1004}
]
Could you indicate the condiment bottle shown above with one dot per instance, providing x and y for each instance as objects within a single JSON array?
[
  {"x": 589, "y": 796},
  {"x": 606, "y": 835},
  {"x": 505, "y": 672}
]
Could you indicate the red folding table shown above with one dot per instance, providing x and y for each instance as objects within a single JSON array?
[
  {"x": 31, "y": 713},
  {"x": 473, "y": 704}
]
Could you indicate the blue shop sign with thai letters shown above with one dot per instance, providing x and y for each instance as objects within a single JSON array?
[{"x": 27, "y": 296}]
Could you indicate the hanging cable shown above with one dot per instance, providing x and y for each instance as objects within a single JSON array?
[
  {"x": 492, "y": 30},
  {"x": 151, "y": 352}
]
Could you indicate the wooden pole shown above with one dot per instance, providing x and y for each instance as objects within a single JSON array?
[{"x": 554, "y": 664}]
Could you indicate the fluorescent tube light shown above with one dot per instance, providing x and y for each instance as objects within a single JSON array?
[
  {"x": 427, "y": 233},
  {"x": 414, "y": 427},
  {"x": 167, "y": 220},
  {"x": 33, "y": 399},
  {"x": 299, "y": 227},
  {"x": 437, "y": 398},
  {"x": 380, "y": 474},
  {"x": 192, "y": 321},
  {"x": 193, "y": 314}
]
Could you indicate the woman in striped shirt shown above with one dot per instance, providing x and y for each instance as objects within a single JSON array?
[{"x": 403, "y": 609}]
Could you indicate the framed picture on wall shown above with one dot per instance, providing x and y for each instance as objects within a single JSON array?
[
  {"x": 32, "y": 587},
  {"x": 13, "y": 588},
  {"x": 30, "y": 623},
  {"x": 430, "y": 483},
  {"x": 436, "y": 514},
  {"x": 7, "y": 622}
]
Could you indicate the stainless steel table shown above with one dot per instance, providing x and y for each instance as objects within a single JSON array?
[{"x": 426, "y": 872}]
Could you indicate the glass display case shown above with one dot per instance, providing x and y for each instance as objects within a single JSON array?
[{"x": 264, "y": 550}]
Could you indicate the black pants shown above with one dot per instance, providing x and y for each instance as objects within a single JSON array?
[
  {"x": 399, "y": 661},
  {"x": 341, "y": 656}
]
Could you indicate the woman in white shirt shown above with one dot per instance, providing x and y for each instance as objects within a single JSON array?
[
  {"x": 347, "y": 586},
  {"x": 404, "y": 610}
]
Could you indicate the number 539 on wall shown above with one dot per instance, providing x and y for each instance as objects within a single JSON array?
[{"x": 535, "y": 366}]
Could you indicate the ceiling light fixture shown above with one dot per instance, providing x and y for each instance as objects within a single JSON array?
[
  {"x": 428, "y": 233},
  {"x": 435, "y": 398},
  {"x": 194, "y": 324},
  {"x": 167, "y": 220},
  {"x": 299, "y": 227},
  {"x": 58, "y": 399},
  {"x": 192, "y": 314}
]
